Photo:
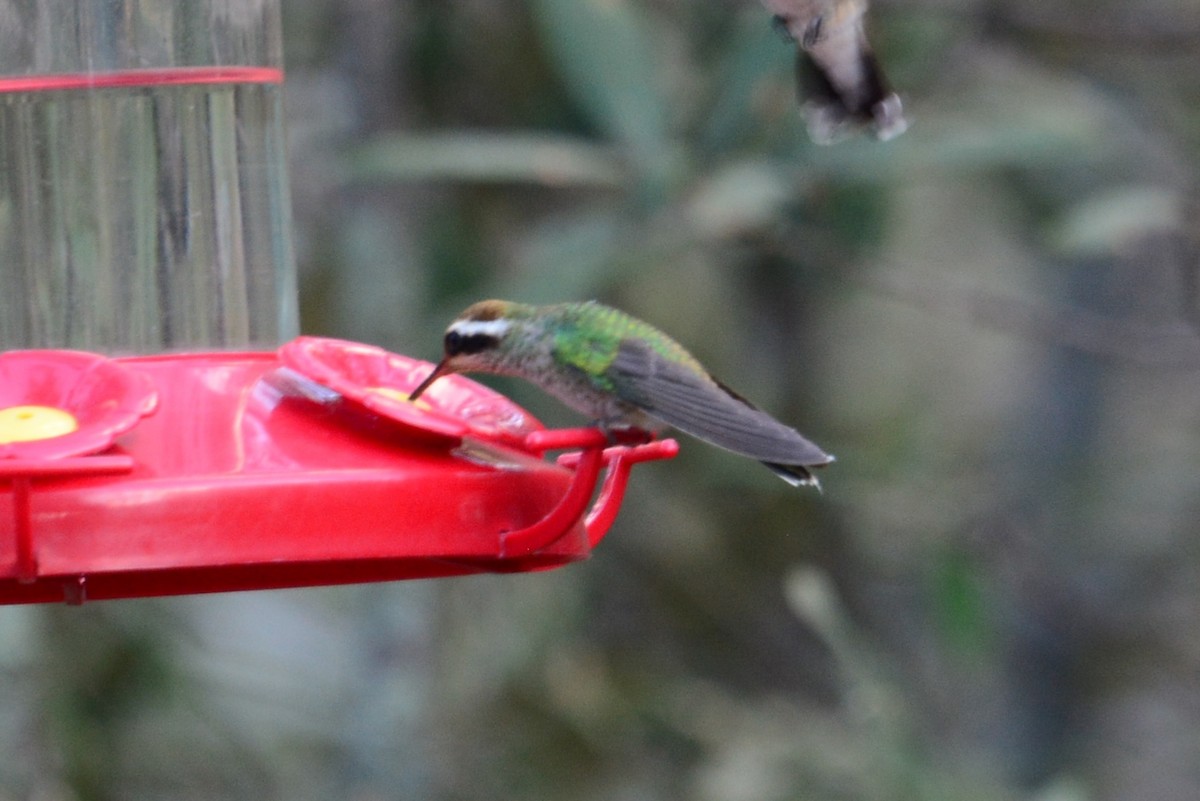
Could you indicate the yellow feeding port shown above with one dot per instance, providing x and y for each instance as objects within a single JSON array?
[
  {"x": 27, "y": 423},
  {"x": 397, "y": 395}
]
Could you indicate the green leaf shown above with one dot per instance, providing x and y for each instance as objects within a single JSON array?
[
  {"x": 604, "y": 51},
  {"x": 742, "y": 196},
  {"x": 1109, "y": 220},
  {"x": 755, "y": 86},
  {"x": 571, "y": 257},
  {"x": 488, "y": 158},
  {"x": 959, "y": 601}
]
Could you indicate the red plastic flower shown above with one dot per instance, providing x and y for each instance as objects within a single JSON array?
[
  {"x": 60, "y": 403},
  {"x": 380, "y": 381}
]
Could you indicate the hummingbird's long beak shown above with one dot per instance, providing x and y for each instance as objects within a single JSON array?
[{"x": 437, "y": 373}]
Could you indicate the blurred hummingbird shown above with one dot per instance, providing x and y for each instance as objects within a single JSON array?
[
  {"x": 623, "y": 373},
  {"x": 836, "y": 70}
]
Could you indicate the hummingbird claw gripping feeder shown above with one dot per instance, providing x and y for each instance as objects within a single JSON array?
[{"x": 215, "y": 461}]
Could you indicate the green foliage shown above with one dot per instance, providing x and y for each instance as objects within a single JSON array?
[{"x": 606, "y": 54}]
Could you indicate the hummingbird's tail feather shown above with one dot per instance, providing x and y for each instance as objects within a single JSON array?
[
  {"x": 797, "y": 475},
  {"x": 835, "y": 96}
]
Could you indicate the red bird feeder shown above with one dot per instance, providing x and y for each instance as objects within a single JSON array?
[
  {"x": 211, "y": 469},
  {"x": 230, "y": 471}
]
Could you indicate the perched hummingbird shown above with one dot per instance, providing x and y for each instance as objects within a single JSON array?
[
  {"x": 836, "y": 70},
  {"x": 623, "y": 373}
]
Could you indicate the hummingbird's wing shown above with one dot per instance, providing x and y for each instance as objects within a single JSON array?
[{"x": 700, "y": 406}]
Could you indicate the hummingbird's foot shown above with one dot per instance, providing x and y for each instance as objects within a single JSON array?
[
  {"x": 812, "y": 34},
  {"x": 626, "y": 435}
]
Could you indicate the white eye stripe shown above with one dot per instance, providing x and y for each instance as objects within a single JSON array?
[{"x": 487, "y": 328}]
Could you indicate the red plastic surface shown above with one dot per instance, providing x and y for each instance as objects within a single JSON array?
[{"x": 259, "y": 470}]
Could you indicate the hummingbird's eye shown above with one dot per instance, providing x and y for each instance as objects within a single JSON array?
[{"x": 459, "y": 342}]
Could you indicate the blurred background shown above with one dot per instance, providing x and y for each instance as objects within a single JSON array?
[{"x": 992, "y": 321}]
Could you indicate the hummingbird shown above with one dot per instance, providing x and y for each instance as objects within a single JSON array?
[
  {"x": 838, "y": 76},
  {"x": 623, "y": 373}
]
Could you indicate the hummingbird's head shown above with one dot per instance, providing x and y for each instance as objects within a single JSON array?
[{"x": 479, "y": 340}]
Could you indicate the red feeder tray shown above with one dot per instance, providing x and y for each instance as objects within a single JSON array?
[{"x": 297, "y": 468}]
